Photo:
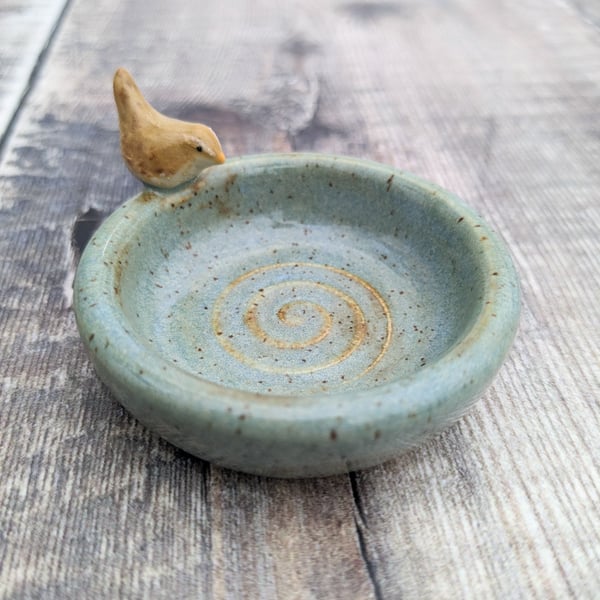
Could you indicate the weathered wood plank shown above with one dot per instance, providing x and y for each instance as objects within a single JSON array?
[
  {"x": 507, "y": 119},
  {"x": 156, "y": 519},
  {"x": 497, "y": 101},
  {"x": 25, "y": 30}
]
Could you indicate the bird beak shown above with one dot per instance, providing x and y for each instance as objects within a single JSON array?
[{"x": 220, "y": 158}]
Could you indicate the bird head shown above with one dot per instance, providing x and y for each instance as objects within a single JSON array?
[{"x": 203, "y": 146}]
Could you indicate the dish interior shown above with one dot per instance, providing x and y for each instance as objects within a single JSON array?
[{"x": 300, "y": 280}]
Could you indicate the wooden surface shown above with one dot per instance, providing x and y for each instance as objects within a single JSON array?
[
  {"x": 25, "y": 29},
  {"x": 498, "y": 101}
]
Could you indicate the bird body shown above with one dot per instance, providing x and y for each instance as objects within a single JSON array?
[{"x": 161, "y": 151}]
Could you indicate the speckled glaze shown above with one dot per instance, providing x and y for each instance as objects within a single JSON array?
[{"x": 296, "y": 315}]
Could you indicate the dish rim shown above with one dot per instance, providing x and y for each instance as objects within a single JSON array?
[{"x": 449, "y": 383}]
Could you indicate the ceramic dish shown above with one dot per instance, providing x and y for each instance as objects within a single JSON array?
[{"x": 296, "y": 315}]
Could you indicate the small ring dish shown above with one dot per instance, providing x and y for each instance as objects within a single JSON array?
[{"x": 296, "y": 315}]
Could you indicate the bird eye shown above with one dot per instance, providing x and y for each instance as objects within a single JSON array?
[{"x": 199, "y": 148}]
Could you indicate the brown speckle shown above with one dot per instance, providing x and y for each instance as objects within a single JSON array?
[
  {"x": 91, "y": 337},
  {"x": 230, "y": 181},
  {"x": 377, "y": 434},
  {"x": 389, "y": 182},
  {"x": 333, "y": 435},
  {"x": 460, "y": 219}
]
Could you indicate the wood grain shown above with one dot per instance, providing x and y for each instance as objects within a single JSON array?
[
  {"x": 498, "y": 101},
  {"x": 26, "y": 29}
]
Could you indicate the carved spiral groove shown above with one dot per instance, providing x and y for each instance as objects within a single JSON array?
[{"x": 300, "y": 318}]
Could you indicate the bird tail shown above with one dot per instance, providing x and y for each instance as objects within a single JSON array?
[{"x": 131, "y": 104}]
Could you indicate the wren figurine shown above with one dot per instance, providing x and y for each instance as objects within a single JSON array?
[{"x": 161, "y": 151}]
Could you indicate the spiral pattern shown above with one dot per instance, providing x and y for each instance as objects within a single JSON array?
[{"x": 298, "y": 318}]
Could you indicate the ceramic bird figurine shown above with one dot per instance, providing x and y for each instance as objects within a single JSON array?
[{"x": 161, "y": 151}]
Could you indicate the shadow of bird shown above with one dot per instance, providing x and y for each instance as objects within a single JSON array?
[{"x": 161, "y": 151}]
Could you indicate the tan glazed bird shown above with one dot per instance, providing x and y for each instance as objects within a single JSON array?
[{"x": 161, "y": 151}]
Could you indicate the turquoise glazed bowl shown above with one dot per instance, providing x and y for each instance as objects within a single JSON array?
[{"x": 296, "y": 315}]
